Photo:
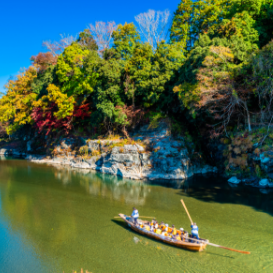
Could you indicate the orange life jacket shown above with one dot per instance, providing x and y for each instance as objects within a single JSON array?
[
  {"x": 178, "y": 238},
  {"x": 158, "y": 231},
  {"x": 147, "y": 228}
]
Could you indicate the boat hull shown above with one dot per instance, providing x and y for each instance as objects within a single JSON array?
[{"x": 180, "y": 244}]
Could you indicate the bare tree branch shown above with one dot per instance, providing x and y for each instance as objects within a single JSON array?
[
  {"x": 57, "y": 47},
  {"x": 102, "y": 34},
  {"x": 153, "y": 26}
]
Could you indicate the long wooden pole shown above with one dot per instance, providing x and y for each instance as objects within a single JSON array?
[
  {"x": 211, "y": 244},
  {"x": 186, "y": 210},
  {"x": 139, "y": 217},
  {"x": 227, "y": 248}
]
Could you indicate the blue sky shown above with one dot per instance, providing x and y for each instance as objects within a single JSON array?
[{"x": 26, "y": 24}]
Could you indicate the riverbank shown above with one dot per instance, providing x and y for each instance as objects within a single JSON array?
[
  {"x": 150, "y": 154},
  {"x": 153, "y": 154}
]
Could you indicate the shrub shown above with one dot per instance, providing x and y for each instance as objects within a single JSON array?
[
  {"x": 95, "y": 152},
  {"x": 84, "y": 150}
]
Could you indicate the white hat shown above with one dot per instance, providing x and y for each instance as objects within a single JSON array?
[
  {"x": 167, "y": 225},
  {"x": 181, "y": 229}
]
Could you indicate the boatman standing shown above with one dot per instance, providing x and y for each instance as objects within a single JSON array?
[
  {"x": 135, "y": 215},
  {"x": 194, "y": 231}
]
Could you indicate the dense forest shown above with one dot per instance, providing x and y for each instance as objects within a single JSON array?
[{"x": 209, "y": 64}]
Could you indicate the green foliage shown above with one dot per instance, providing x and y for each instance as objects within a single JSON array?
[
  {"x": 87, "y": 41},
  {"x": 40, "y": 84},
  {"x": 76, "y": 70},
  {"x": 193, "y": 18},
  {"x": 125, "y": 39},
  {"x": 64, "y": 103},
  {"x": 212, "y": 74},
  {"x": 148, "y": 73},
  {"x": 154, "y": 118}
]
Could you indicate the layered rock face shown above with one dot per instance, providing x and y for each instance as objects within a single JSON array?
[{"x": 152, "y": 155}]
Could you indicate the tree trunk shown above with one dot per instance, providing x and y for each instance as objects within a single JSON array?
[{"x": 248, "y": 116}]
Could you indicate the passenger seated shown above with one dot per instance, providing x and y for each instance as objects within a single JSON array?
[
  {"x": 177, "y": 237},
  {"x": 156, "y": 225},
  {"x": 162, "y": 226},
  {"x": 174, "y": 231},
  {"x": 147, "y": 227},
  {"x": 158, "y": 231},
  {"x": 185, "y": 236},
  {"x": 166, "y": 234}
]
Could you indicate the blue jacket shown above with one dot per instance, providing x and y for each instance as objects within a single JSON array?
[
  {"x": 194, "y": 229},
  {"x": 135, "y": 213}
]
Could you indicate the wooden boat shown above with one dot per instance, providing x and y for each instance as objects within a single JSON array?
[{"x": 186, "y": 245}]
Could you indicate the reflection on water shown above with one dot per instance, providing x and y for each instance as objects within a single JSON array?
[
  {"x": 98, "y": 184},
  {"x": 61, "y": 219}
]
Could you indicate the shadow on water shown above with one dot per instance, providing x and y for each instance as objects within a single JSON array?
[{"x": 216, "y": 189}]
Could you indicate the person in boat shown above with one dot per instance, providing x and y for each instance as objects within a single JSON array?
[
  {"x": 165, "y": 233},
  {"x": 135, "y": 215},
  {"x": 147, "y": 227},
  {"x": 156, "y": 225},
  {"x": 176, "y": 237},
  {"x": 151, "y": 227},
  {"x": 158, "y": 231},
  {"x": 194, "y": 231},
  {"x": 185, "y": 236},
  {"x": 174, "y": 231},
  {"x": 162, "y": 226}
]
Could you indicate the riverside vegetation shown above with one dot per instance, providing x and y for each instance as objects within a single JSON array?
[{"x": 209, "y": 79}]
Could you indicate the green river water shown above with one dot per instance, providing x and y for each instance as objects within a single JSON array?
[{"x": 58, "y": 220}]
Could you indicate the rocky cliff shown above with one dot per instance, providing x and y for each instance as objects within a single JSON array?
[{"x": 149, "y": 154}]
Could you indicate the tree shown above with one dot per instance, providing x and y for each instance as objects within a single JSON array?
[
  {"x": 238, "y": 34},
  {"x": 57, "y": 111},
  {"x": 148, "y": 73},
  {"x": 44, "y": 60},
  {"x": 76, "y": 70},
  {"x": 209, "y": 89},
  {"x": 87, "y": 41},
  {"x": 193, "y": 18},
  {"x": 102, "y": 33},
  {"x": 259, "y": 77},
  {"x": 65, "y": 104},
  {"x": 125, "y": 39},
  {"x": 17, "y": 104},
  {"x": 153, "y": 26},
  {"x": 127, "y": 116}
]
